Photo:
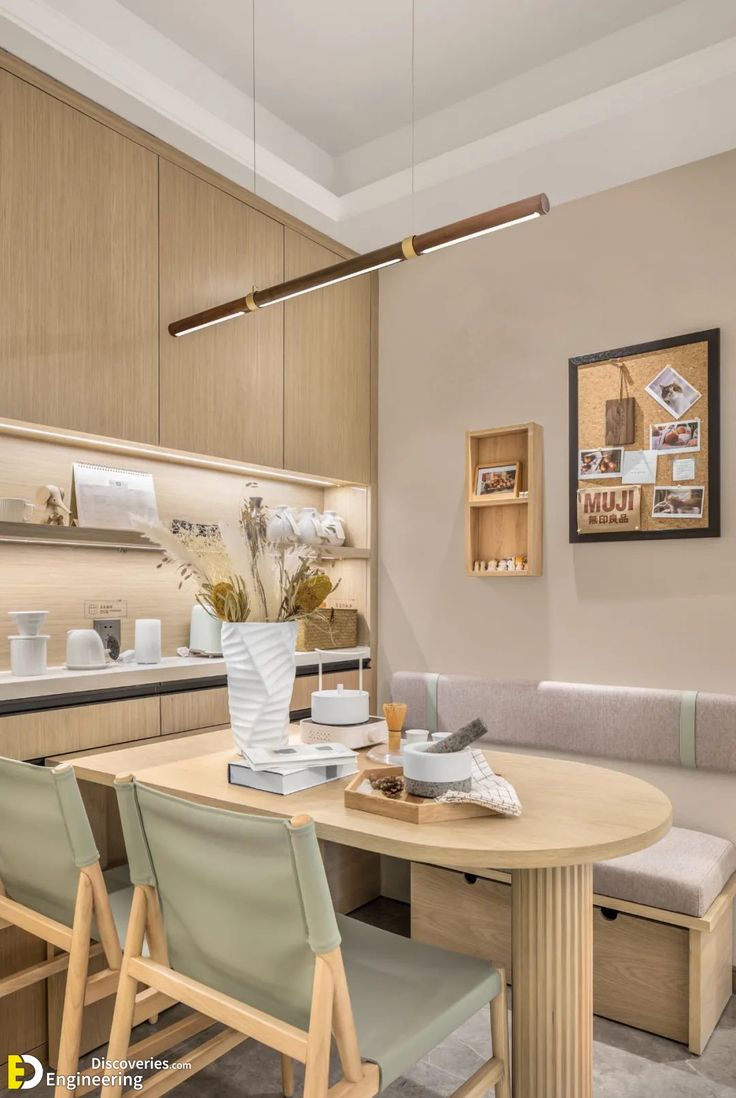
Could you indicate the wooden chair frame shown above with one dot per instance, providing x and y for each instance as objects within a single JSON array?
[
  {"x": 330, "y": 1015},
  {"x": 77, "y": 949}
]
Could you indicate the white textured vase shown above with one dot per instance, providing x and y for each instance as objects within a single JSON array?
[{"x": 261, "y": 664}]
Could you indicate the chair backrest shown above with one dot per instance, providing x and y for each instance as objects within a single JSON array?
[
  {"x": 244, "y": 899},
  {"x": 45, "y": 837}
]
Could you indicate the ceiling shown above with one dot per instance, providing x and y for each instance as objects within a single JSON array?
[
  {"x": 340, "y": 72},
  {"x": 510, "y": 96}
]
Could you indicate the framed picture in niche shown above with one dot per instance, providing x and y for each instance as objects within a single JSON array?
[
  {"x": 671, "y": 391},
  {"x": 496, "y": 481}
]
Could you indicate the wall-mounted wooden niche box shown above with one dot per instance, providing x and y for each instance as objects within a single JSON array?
[{"x": 503, "y": 521}]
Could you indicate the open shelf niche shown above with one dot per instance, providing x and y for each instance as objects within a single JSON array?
[{"x": 507, "y": 526}]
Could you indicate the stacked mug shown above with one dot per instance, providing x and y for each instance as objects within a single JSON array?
[{"x": 29, "y": 645}]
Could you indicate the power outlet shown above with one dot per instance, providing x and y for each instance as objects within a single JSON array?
[{"x": 109, "y": 630}]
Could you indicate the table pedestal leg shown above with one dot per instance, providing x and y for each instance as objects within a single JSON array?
[{"x": 552, "y": 935}]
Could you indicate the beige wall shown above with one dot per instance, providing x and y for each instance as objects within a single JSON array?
[{"x": 479, "y": 336}]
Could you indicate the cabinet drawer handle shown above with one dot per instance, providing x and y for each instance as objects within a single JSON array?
[
  {"x": 470, "y": 878},
  {"x": 610, "y": 914}
]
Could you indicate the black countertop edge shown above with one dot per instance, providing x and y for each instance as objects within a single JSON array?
[{"x": 70, "y": 700}]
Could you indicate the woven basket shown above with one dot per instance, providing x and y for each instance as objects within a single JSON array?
[{"x": 328, "y": 629}]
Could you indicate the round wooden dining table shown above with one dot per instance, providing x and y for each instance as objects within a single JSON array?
[{"x": 573, "y": 815}]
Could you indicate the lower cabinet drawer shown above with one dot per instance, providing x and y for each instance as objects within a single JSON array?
[
  {"x": 78, "y": 728},
  {"x": 194, "y": 709},
  {"x": 641, "y": 973},
  {"x": 640, "y": 967},
  {"x": 461, "y": 912}
]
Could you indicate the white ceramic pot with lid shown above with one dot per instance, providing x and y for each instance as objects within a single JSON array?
[{"x": 340, "y": 707}]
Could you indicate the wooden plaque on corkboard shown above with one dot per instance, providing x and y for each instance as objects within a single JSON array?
[{"x": 670, "y": 389}]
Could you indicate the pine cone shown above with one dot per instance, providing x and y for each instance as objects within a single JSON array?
[{"x": 391, "y": 786}]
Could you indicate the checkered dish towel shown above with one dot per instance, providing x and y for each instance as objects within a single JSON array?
[{"x": 486, "y": 788}]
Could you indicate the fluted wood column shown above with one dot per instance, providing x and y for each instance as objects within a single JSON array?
[{"x": 552, "y": 934}]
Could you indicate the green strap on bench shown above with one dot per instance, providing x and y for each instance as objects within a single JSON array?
[
  {"x": 431, "y": 688},
  {"x": 688, "y": 703}
]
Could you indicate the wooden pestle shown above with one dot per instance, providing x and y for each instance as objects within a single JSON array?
[{"x": 459, "y": 740}]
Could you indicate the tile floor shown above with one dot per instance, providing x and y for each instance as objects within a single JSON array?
[{"x": 628, "y": 1063}]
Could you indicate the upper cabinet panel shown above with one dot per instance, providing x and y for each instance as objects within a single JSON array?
[
  {"x": 222, "y": 388},
  {"x": 78, "y": 270},
  {"x": 326, "y": 370}
]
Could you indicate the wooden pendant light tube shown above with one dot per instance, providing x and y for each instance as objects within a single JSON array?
[
  {"x": 399, "y": 252},
  {"x": 480, "y": 224}
]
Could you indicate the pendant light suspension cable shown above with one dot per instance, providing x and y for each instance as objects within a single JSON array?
[
  {"x": 253, "y": 88},
  {"x": 410, "y": 247}
]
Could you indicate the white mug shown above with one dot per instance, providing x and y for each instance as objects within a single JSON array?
[
  {"x": 14, "y": 510},
  {"x": 416, "y": 735}
]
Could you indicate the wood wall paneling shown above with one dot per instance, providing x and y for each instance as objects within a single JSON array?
[
  {"x": 327, "y": 384},
  {"x": 222, "y": 387},
  {"x": 78, "y": 269}
]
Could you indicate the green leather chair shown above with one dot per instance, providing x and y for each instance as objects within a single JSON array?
[
  {"x": 241, "y": 926},
  {"x": 52, "y": 886}
]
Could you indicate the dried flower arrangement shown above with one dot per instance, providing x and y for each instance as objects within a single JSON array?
[{"x": 241, "y": 575}]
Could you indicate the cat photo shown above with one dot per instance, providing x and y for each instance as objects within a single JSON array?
[{"x": 673, "y": 392}]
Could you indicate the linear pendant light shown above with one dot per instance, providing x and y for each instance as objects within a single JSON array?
[{"x": 409, "y": 248}]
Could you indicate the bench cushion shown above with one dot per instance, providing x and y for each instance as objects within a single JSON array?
[{"x": 683, "y": 872}]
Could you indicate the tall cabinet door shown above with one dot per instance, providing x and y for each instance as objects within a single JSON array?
[
  {"x": 222, "y": 388},
  {"x": 326, "y": 370},
  {"x": 78, "y": 270}
]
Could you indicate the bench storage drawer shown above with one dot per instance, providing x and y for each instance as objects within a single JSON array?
[{"x": 672, "y": 980}]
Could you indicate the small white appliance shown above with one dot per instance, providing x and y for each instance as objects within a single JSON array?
[
  {"x": 28, "y": 655},
  {"x": 205, "y": 633},
  {"x": 342, "y": 716},
  {"x": 84, "y": 650},
  {"x": 147, "y": 640}
]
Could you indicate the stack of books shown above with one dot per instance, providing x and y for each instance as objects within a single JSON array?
[{"x": 292, "y": 768}]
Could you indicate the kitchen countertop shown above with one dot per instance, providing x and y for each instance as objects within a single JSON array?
[{"x": 116, "y": 676}]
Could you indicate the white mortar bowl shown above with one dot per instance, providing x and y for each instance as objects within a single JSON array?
[{"x": 435, "y": 773}]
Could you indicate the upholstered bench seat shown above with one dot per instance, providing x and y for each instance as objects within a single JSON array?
[
  {"x": 662, "y": 918},
  {"x": 684, "y": 872}
]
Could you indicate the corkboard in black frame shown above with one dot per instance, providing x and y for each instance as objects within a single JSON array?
[{"x": 673, "y": 454}]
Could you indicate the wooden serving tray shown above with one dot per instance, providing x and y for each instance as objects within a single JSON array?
[{"x": 408, "y": 808}]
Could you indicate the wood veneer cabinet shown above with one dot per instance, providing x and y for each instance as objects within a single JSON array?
[
  {"x": 222, "y": 387},
  {"x": 327, "y": 388},
  {"x": 78, "y": 269}
]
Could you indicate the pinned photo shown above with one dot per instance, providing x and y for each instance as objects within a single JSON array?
[
  {"x": 675, "y": 438},
  {"x": 600, "y": 464},
  {"x": 673, "y": 392},
  {"x": 684, "y": 503}
]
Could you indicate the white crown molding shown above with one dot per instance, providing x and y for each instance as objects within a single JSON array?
[
  {"x": 591, "y": 141},
  {"x": 47, "y": 38}
]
